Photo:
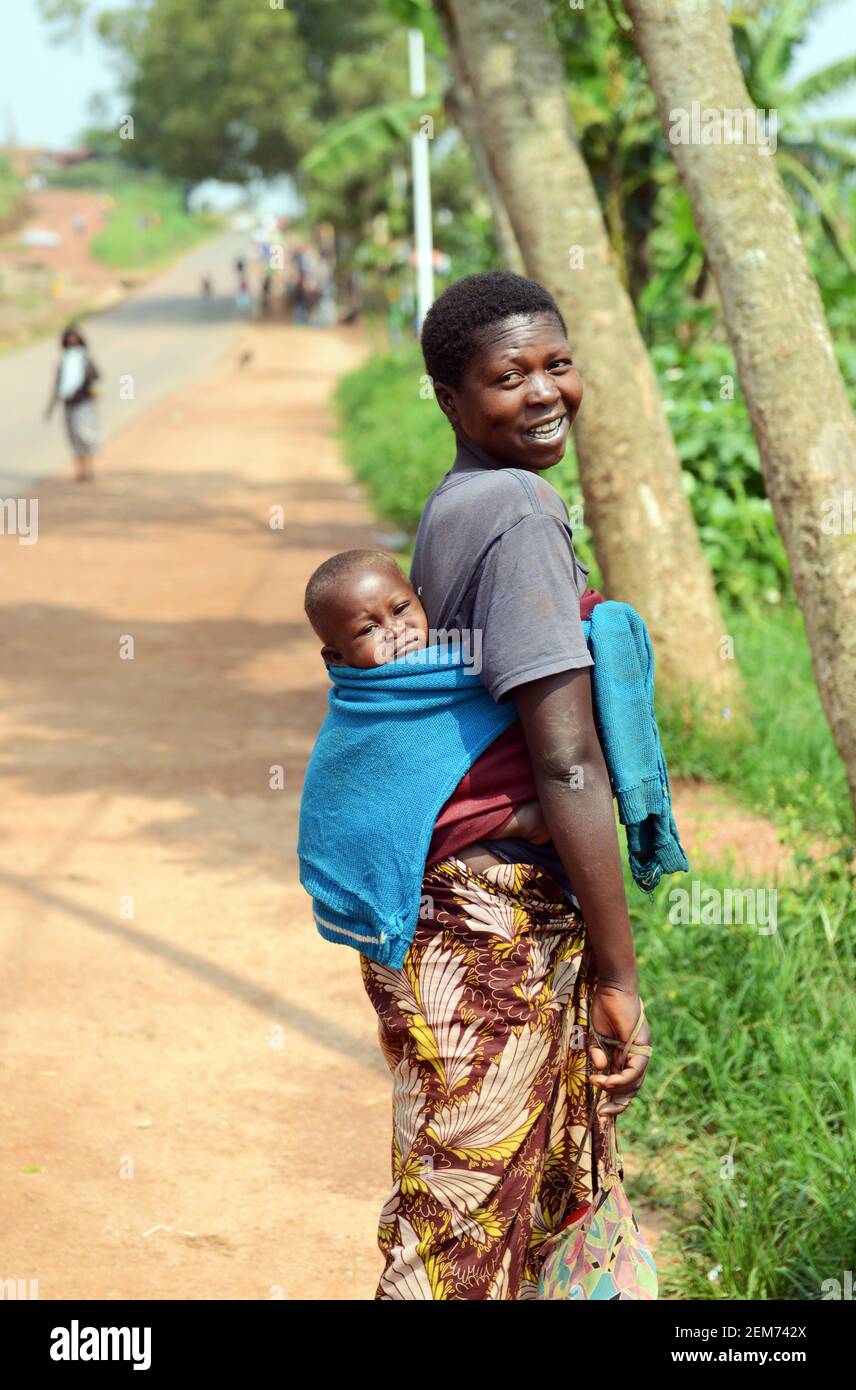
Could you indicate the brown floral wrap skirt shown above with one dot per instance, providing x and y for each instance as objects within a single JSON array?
[{"x": 485, "y": 1030}]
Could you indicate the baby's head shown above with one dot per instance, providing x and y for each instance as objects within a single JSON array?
[{"x": 364, "y": 609}]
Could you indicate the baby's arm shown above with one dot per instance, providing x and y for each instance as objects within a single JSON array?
[{"x": 526, "y": 823}]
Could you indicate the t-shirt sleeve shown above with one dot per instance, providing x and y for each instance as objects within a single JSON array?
[{"x": 526, "y": 610}]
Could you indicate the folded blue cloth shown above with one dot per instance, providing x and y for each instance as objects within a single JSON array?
[
  {"x": 623, "y": 696},
  {"x": 395, "y": 743}
]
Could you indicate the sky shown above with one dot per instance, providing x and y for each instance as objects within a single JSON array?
[{"x": 45, "y": 88}]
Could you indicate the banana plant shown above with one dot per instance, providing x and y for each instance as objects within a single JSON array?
[{"x": 813, "y": 153}]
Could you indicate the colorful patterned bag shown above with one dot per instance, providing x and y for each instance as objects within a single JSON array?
[{"x": 598, "y": 1252}]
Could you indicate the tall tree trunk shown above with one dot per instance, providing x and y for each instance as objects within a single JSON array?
[
  {"x": 644, "y": 536},
  {"x": 460, "y": 104},
  {"x": 799, "y": 409}
]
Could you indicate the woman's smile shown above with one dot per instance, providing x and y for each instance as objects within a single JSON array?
[{"x": 548, "y": 431}]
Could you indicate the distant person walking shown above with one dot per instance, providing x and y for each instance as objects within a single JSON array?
[
  {"x": 74, "y": 385},
  {"x": 266, "y": 295},
  {"x": 300, "y": 283},
  {"x": 243, "y": 298}
]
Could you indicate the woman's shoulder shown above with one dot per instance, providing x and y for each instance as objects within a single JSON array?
[{"x": 515, "y": 492}]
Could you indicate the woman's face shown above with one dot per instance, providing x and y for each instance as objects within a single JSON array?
[{"x": 520, "y": 393}]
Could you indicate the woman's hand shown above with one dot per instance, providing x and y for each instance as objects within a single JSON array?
[{"x": 614, "y": 1013}]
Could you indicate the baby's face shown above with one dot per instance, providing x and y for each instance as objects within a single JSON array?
[{"x": 377, "y": 618}]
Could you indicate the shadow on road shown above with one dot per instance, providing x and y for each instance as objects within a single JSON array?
[{"x": 319, "y": 1028}]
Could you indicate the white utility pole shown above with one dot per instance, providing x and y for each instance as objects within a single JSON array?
[{"x": 423, "y": 239}]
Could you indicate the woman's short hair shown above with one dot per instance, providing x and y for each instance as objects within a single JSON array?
[
  {"x": 457, "y": 325},
  {"x": 72, "y": 329}
]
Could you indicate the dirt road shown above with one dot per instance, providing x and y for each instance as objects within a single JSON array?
[
  {"x": 193, "y": 1101},
  {"x": 194, "y": 1104}
]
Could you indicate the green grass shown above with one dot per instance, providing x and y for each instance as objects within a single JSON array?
[
  {"x": 788, "y": 767},
  {"x": 753, "y": 1058},
  {"x": 398, "y": 444},
  {"x": 93, "y": 175},
  {"x": 148, "y": 226},
  {"x": 11, "y": 190}
]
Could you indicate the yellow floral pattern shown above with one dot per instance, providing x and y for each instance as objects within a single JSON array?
[{"x": 484, "y": 1029}]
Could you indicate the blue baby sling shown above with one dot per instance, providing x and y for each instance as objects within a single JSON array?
[{"x": 398, "y": 738}]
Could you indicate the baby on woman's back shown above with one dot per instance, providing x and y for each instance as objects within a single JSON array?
[{"x": 366, "y": 613}]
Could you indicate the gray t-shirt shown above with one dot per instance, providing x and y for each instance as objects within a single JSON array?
[{"x": 494, "y": 558}]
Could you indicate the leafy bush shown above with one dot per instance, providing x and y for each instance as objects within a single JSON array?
[
  {"x": 397, "y": 443},
  {"x": 722, "y": 472}
]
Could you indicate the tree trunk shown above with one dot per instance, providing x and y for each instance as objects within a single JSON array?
[
  {"x": 642, "y": 527},
  {"x": 460, "y": 104},
  {"x": 799, "y": 409}
]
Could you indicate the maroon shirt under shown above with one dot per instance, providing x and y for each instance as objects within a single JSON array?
[{"x": 497, "y": 784}]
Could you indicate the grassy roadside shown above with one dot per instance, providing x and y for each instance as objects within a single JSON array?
[
  {"x": 148, "y": 227},
  {"x": 148, "y": 224},
  {"x": 11, "y": 193},
  {"x": 748, "y": 1127},
  {"x": 749, "y": 1114}
]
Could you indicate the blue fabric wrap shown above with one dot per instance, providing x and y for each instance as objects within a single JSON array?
[
  {"x": 623, "y": 699},
  {"x": 395, "y": 743}
]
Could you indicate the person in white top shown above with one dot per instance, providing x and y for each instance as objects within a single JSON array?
[{"x": 74, "y": 386}]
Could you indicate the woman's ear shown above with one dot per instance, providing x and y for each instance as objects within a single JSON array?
[{"x": 447, "y": 399}]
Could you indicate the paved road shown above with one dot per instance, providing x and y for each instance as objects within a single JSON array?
[{"x": 163, "y": 337}]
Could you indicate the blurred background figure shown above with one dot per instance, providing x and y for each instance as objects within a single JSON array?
[
  {"x": 309, "y": 278},
  {"x": 206, "y": 287},
  {"x": 265, "y": 294},
  {"x": 74, "y": 385},
  {"x": 313, "y": 280},
  {"x": 301, "y": 283},
  {"x": 243, "y": 298},
  {"x": 326, "y": 312}
]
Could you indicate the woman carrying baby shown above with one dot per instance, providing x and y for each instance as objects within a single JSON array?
[{"x": 485, "y": 1026}]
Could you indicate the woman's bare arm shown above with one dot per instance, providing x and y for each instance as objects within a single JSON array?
[{"x": 576, "y": 802}]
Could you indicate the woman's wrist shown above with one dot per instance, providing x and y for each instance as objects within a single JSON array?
[
  {"x": 615, "y": 963},
  {"x": 624, "y": 984}
]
